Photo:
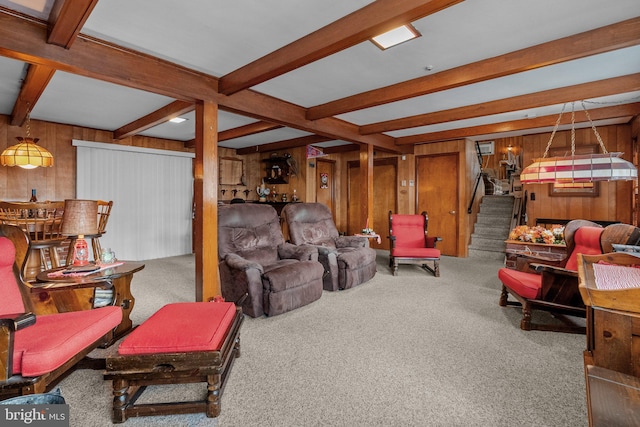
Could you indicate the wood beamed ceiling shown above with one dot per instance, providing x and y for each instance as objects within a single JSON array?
[{"x": 59, "y": 45}]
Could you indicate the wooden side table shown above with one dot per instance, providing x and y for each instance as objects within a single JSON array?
[
  {"x": 74, "y": 293},
  {"x": 610, "y": 288}
]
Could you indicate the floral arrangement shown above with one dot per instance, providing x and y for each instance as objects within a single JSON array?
[{"x": 538, "y": 234}]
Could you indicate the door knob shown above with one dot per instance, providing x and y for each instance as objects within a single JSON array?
[{"x": 452, "y": 212}]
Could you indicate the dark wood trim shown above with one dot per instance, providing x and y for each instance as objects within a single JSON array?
[
  {"x": 372, "y": 20},
  {"x": 600, "y": 40}
]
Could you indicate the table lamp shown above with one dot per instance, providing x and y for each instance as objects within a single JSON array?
[{"x": 80, "y": 218}]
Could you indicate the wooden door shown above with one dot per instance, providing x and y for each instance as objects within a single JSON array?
[
  {"x": 437, "y": 193},
  {"x": 385, "y": 172},
  {"x": 325, "y": 183}
]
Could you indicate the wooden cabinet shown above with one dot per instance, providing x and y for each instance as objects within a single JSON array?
[
  {"x": 611, "y": 293},
  {"x": 277, "y": 170}
]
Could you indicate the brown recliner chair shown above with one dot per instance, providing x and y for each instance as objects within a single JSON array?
[
  {"x": 348, "y": 260},
  {"x": 255, "y": 260}
]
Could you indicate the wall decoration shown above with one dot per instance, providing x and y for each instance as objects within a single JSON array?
[{"x": 324, "y": 180}]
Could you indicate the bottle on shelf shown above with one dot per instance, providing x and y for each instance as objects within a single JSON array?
[{"x": 33, "y": 199}]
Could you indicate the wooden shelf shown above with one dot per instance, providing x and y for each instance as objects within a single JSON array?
[{"x": 277, "y": 170}]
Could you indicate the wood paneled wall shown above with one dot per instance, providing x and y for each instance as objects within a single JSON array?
[
  {"x": 58, "y": 182},
  {"x": 614, "y": 202}
]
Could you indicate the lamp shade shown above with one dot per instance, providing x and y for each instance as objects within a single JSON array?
[
  {"x": 26, "y": 154},
  {"x": 80, "y": 217},
  {"x": 579, "y": 168}
]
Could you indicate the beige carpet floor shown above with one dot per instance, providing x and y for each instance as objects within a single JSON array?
[{"x": 410, "y": 350}]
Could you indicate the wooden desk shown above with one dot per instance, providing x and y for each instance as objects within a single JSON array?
[
  {"x": 78, "y": 292},
  {"x": 612, "y": 357}
]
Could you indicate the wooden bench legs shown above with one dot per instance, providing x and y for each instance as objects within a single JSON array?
[{"x": 132, "y": 374}]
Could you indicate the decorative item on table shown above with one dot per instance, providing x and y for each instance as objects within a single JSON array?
[
  {"x": 284, "y": 197},
  {"x": 107, "y": 256},
  {"x": 538, "y": 234},
  {"x": 80, "y": 218},
  {"x": 367, "y": 230},
  {"x": 263, "y": 191},
  {"x": 294, "y": 198}
]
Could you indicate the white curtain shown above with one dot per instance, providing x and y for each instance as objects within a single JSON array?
[{"x": 152, "y": 193}]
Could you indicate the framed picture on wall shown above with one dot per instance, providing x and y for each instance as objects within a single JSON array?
[{"x": 577, "y": 189}]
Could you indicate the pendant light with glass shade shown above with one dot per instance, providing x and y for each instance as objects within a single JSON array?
[
  {"x": 604, "y": 166},
  {"x": 26, "y": 153}
]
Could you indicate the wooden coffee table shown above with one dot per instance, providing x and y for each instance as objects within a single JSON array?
[{"x": 74, "y": 293}]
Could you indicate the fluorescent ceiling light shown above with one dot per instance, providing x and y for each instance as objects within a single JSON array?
[
  {"x": 177, "y": 120},
  {"x": 396, "y": 36}
]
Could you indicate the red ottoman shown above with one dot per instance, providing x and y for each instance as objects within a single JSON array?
[{"x": 181, "y": 343}]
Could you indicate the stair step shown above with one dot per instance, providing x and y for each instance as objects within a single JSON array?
[
  {"x": 484, "y": 254},
  {"x": 494, "y": 220},
  {"x": 481, "y": 242},
  {"x": 481, "y": 230},
  {"x": 498, "y": 200},
  {"x": 496, "y": 210}
]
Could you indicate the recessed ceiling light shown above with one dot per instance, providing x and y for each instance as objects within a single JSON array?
[
  {"x": 396, "y": 36},
  {"x": 177, "y": 120}
]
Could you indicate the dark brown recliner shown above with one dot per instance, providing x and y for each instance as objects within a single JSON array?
[
  {"x": 255, "y": 260},
  {"x": 348, "y": 260}
]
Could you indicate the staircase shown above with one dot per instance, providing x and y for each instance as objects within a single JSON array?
[{"x": 492, "y": 227}]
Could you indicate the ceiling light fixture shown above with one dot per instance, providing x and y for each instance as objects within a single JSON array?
[
  {"x": 396, "y": 36},
  {"x": 578, "y": 168},
  {"x": 26, "y": 153},
  {"x": 177, "y": 120}
]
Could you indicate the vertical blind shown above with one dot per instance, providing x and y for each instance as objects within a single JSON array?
[{"x": 152, "y": 194}]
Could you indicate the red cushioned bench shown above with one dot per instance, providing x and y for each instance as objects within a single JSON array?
[{"x": 180, "y": 343}]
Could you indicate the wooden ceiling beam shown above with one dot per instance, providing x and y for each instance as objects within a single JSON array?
[
  {"x": 603, "y": 39},
  {"x": 283, "y": 145},
  {"x": 66, "y": 19},
  {"x": 595, "y": 89},
  {"x": 267, "y": 108},
  {"x": 372, "y": 20},
  {"x": 516, "y": 125},
  {"x": 36, "y": 80},
  {"x": 24, "y": 39},
  {"x": 101, "y": 60},
  {"x": 240, "y": 131},
  {"x": 155, "y": 118},
  {"x": 246, "y": 130}
]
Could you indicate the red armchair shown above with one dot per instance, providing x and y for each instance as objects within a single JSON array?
[
  {"x": 35, "y": 351},
  {"x": 553, "y": 288},
  {"x": 410, "y": 243}
]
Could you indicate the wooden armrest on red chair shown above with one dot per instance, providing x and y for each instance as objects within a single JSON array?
[
  {"x": 17, "y": 321},
  {"x": 9, "y": 324}
]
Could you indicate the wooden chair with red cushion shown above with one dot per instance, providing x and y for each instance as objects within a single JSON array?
[
  {"x": 410, "y": 243},
  {"x": 553, "y": 287},
  {"x": 35, "y": 351}
]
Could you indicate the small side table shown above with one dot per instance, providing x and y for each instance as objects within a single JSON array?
[
  {"x": 119, "y": 277},
  {"x": 371, "y": 236}
]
